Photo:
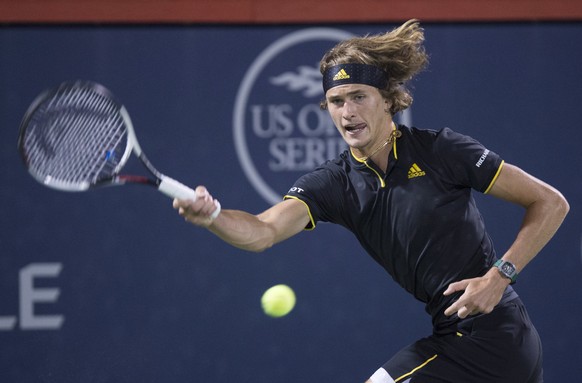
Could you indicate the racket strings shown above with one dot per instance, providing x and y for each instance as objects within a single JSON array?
[{"x": 76, "y": 137}]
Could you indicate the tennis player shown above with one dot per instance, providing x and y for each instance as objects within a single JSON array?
[{"x": 406, "y": 194}]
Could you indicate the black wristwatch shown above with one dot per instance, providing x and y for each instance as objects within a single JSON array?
[{"x": 507, "y": 269}]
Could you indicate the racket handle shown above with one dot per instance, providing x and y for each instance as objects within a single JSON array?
[{"x": 175, "y": 189}]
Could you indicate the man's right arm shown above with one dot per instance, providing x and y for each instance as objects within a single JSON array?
[{"x": 244, "y": 230}]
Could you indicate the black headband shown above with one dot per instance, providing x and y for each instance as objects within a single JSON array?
[{"x": 354, "y": 74}]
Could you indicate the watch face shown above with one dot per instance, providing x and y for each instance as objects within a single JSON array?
[{"x": 507, "y": 268}]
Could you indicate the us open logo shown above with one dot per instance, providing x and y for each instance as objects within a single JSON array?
[{"x": 280, "y": 133}]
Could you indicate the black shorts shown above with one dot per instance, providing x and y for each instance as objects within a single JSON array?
[{"x": 499, "y": 347}]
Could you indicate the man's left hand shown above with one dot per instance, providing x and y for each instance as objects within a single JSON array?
[{"x": 480, "y": 295}]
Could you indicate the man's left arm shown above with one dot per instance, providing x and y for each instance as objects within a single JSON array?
[{"x": 545, "y": 209}]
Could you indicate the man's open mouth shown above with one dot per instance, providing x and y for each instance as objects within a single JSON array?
[{"x": 355, "y": 128}]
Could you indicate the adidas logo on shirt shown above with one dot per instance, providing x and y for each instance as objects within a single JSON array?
[
  {"x": 415, "y": 171},
  {"x": 341, "y": 75}
]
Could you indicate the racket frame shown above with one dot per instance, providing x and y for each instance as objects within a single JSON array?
[{"x": 165, "y": 184}]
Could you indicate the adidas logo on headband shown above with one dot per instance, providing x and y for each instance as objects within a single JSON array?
[{"x": 341, "y": 75}]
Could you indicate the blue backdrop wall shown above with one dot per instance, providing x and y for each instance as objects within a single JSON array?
[{"x": 113, "y": 286}]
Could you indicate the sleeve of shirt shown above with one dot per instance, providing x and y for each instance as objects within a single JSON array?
[
  {"x": 466, "y": 161},
  {"x": 318, "y": 190}
]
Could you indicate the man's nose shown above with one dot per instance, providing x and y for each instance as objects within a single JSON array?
[{"x": 349, "y": 110}]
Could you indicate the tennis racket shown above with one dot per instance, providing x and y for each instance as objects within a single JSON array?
[{"x": 77, "y": 136}]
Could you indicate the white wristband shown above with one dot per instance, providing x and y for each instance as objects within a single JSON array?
[{"x": 216, "y": 212}]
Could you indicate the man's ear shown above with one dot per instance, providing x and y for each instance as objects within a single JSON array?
[{"x": 387, "y": 106}]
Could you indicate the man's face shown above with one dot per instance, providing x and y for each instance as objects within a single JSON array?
[{"x": 359, "y": 113}]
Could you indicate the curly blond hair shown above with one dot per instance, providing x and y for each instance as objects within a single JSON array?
[{"x": 400, "y": 53}]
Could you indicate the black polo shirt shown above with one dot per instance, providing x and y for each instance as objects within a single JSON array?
[{"x": 418, "y": 220}]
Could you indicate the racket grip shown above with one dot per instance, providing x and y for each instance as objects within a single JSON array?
[{"x": 175, "y": 189}]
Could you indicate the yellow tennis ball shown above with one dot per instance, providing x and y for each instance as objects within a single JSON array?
[{"x": 278, "y": 301}]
